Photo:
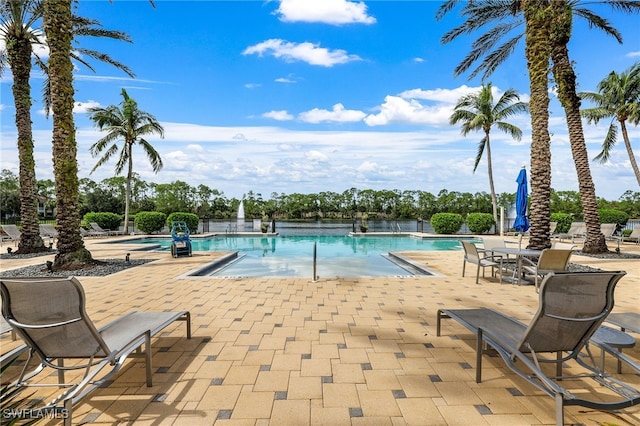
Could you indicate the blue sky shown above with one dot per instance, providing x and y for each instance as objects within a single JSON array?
[{"x": 315, "y": 95}]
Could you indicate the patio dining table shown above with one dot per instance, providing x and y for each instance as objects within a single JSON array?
[{"x": 519, "y": 253}]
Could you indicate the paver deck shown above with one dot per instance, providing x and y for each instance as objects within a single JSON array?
[{"x": 347, "y": 351}]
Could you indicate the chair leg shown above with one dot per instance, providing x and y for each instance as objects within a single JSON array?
[
  {"x": 559, "y": 410},
  {"x": 147, "y": 349},
  {"x": 479, "y": 343},
  {"x": 478, "y": 273},
  {"x": 464, "y": 263},
  {"x": 68, "y": 413}
]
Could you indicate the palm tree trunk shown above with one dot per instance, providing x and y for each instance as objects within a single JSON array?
[
  {"x": 494, "y": 199},
  {"x": 19, "y": 55},
  {"x": 59, "y": 31},
  {"x": 565, "y": 78},
  {"x": 127, "y": 193},
  {"x": 538, "y": 54},
  {"x": 627, "y": 144}
]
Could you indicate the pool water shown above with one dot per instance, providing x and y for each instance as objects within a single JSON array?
[{"x": 336, "y": 256}]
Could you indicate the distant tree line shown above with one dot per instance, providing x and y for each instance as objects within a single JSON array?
[{"x": 108, "y": 195}]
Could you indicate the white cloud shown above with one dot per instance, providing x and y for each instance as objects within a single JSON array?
[
  {"x": 439, "y": 95},
  {"x": 338, "y": 114},
  {"x": 252, "y": 85},
  {"x": 278, "y": 115},
  {"x": 83, "y": 107},
  {"x": 314, "y": 155},
  {"x": 633, "y": 54},
  {"x": 284, "y": 80},
  {"x": 417, "y": 59},
  {"x": 307, "y": 52},
  {"x": 398, "y": 110},
  {"x": 334, "y": 12}
]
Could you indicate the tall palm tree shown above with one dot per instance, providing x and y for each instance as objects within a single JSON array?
[
  {"x": 128, "y": 124},
  {"x": 618, "y": 97},
  {"x": 17, "y": 19},
  {"x": 58, "y": 28},
  {"x": 20, "y": 27},
  {"x": 503, "y": 18},
  {"x": 561, "y": 20},
  {"x": 557, "y": 27},
  {"x": 477, "y": 111},
  {"x": 538, "y": 55}
]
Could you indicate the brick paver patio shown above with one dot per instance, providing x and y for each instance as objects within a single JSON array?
[{"x": 348, "y": 351}]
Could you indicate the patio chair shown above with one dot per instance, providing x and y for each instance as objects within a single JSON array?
[
  {"x": 48, "y": 231},
  {"x": 49, "y": 315},
  {"x": 481, "y": 260},
  {"x": 633, "y": 237},
  {"x": 608, "y": 229},
  {"x": 576, "y": 230},
  {"x": 550, "y": 260},
  {"x": 91, "y": 233},
  {"x": 10, "y": 233},
  {"x": 488, "y": 247},
  {"x": 556, "y": 245},
  {"x": 7, "y": 357},
  {"x": 571, "y": 309},
  {"x": 488, "y": 244},
  {"x": 97, "y": 228}
]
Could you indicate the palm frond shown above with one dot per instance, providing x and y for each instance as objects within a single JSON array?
[
  {"x": 105, "y": 157},
  {"x": 496, "y": 58},
  {"x": 479, "y": 152},
  {"x": 446, "y": 7},
  {"x": 510, "y": 129},
  {"x": 105, "y": 58},
  {"x": 598, "y": 22},
  {"x": 608, "y": 143},
  {"x": 594, "y": 115},
  {"x": 152, "y": 155}
]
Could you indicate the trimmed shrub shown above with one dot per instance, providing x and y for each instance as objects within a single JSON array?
[
  {"x": 105, "y": 220},
  {"x": 446, "y": 223},
  {"x": 479, "y": 223},
  {"x": 564, "y": 221},
  {"x": 150, "y": 222},
  {"x": 190, "y": 219},
  {"x": 613, "y": 216}
]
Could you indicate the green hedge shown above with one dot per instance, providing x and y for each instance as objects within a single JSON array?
[
  {"x": 190, "y": 219},
  {"x": 564, "y": 221},
  {"x": 150, "y": 222},
  {"x": 613, "y": 216},
  {"x": 105, "y": 220},
  {"x": 446, "y": 223},
  {"x": 479, "y": 223}
]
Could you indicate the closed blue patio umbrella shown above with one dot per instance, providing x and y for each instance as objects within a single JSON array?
[{"x": 521, "y": 224}]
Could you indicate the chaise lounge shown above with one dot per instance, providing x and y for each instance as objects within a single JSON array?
[
  {"x": 49, "y": 315},
  {"x": 572, "y": 307}
]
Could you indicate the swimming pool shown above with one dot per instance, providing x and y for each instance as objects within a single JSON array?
[{"x": 289, "y": 256}]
